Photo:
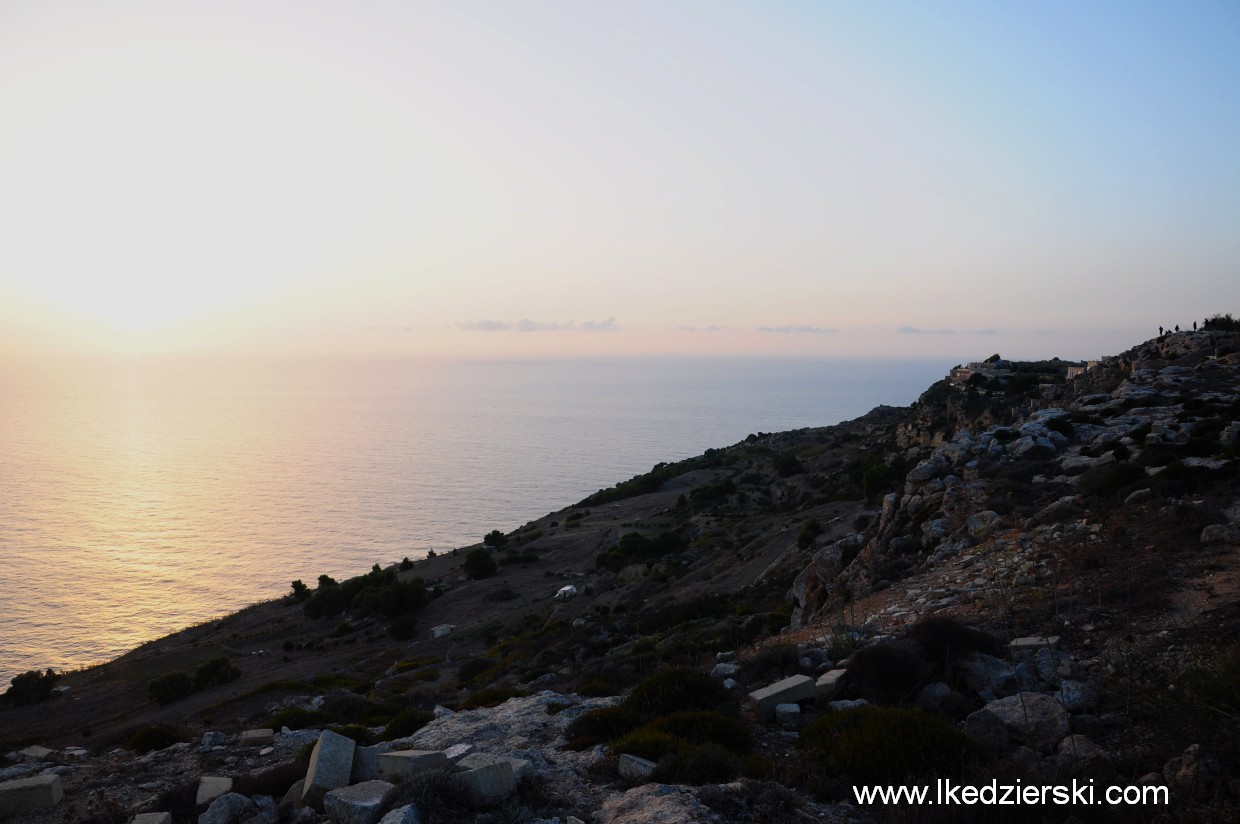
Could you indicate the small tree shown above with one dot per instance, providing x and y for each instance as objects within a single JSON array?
[
  {"x": 479, "y": 564},
  {"x": 495, "y": 538},
  {"x": 300, "y": 591},
  {"x": 30, "y": 688}
]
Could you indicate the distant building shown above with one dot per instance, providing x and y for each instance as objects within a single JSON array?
[
  {"x": 442, "y": 630},
  {"x": 566, "y": 593}
]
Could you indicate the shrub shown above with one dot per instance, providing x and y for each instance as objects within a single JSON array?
[
  {"x": 1110, "y": 479},
  {"x": 495, "y": 538},
  {"x": 706, "y": 727},
  {"x": 1061, "y": 425},
  {"x": 154, "y": 737},
  {"x": 646, "y": 743},
  {"x": 215, "y": 672},
  {"x": 297, "y": 718},
  {"x": 1221, "y": 323},
  {"x": 758, "y": 802},
  {"x": 809, "y": 531},
  {"x": 474, "y": 667},
  {"x": 886, "y": 672},
  {"x": 601, "y": 725},
  {"x": 887, "y": 745},
  {"x": 490, "y": 697},
  {"x": 403, "y": 627},
  {"x": 479, "y": 564},
  {"x": 171, "y": 687},
  {"x": 29, "y": 688},
  {"x": 679, "y": 690},
  {"x": 406, "y": 723},
  {"x": 706, "y": 764},
  {"x": 940, "y": 636},
  {"x": 787, "y": 464}
]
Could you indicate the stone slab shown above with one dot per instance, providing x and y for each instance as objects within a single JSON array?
[
  {"x": 457, "y": 751},
  {"x": 635, "y": 768},
  {"x": 401, "y": 764},
  {"x": 359, "y": 804},
  {"x": 521, "y": 767},
  {"x": 153, "y": 818},
  {"x": 828, "y": 684},
  {"x": 211, "y": 787},
  {"x": 1033, "y": 642},
  {"x": 36, "y": 752},
  {"x": 258, "y": 737},
  {"x": 788, "y": 691},
  {"x": 25, "y": 795},
  {"x": 331, "y": 764},
  {"x": 488, "y": 785}
]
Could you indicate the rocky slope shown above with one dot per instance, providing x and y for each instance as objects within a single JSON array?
[{"x": 1098, "y": 515}]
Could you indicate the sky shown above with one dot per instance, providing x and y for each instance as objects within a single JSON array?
[{"x": 565, "y": 179}]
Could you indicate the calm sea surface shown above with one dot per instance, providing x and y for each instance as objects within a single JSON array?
[{"x": 139, "y": 496}]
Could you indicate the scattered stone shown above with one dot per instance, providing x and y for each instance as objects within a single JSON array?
[
  {"x": 331, "y": 764},
  {"x": 725, "y": 657},
  {"x": 258, "y": 737},
  {"x": 653, "y": 804},
  {"x": 359, "y": 804},
  {"x": 442, "y": 712},
  {"x": 788, "y": 691},
  {"x": 25, "y": 795},
  {"x": 35, "y": 752},
  {"x": 295, "y": 792},
  {"x": 211, "y": 787},
  {"x": 982, "y": 672},
  {"x": 788, "y": 716},
  {"x": 1076, "y": 696},
  {"x": 402, "y": 764},
  {"x": 841, "y": 706},
  {"x": 153, "y": 818},
  {"x": 1079, "y": 756},
  {"x": 263, "y": 811},
  {"x": 934, "y": 697},
  {"x": 1139, "y": 496},
  {"x": 1033, "y": 643},
  {"x": 266, "y": 750},
  {"x": 722, "y": 671},
  {"x": 1220, "y": 534},
  {"x": 635, "y": 768},
  {"x": 212, "y": 738}
]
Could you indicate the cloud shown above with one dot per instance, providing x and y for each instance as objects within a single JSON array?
[
  {"x": 982, "y": 332},
  {"x": 798, "y": 330},
  {"x": 527, "y": 325},
  {"x": 913, "y": 330},
  {"x": 686, "y": 328}
]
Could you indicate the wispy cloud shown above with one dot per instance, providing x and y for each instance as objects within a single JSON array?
[
  {"x": 983, "y": 332},
  {"x": 527, "y": 325},
  {"x": 711, "y": 328},
  {"x": 797, "y": 330},
  {"x": 913, "y": 330}
]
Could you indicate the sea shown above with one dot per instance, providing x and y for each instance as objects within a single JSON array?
[{"x": 141, "y": 495}]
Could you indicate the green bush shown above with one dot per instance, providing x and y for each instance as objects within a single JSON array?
[
  {"x": 216, "y": 672},
  {"x": 29, "y": 688},
  {"x": 154, "y": 737},
  {"x": 679, "y": 690},
  {"x": 403, "y": 627},
  {"x": 706, "y": 727},
  {"x": 706, "y": 764},
  {"x": 646, "y": 743},
  {"x": 495, "y": 538},
  {"x": 474, "y": 667},
  {"x": 490, "y": 697},
  {"x": 171, "y": 687},
  {"x": 887, "y": 745},
  {"x": 601, "y": 725},
  {"x": 479, "y": 564},
  {"x": 297, "y": 718},
  {"x": 406, "y": 723}
]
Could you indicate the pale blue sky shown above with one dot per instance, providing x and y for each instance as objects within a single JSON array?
[{"x": 565, "y": 178}]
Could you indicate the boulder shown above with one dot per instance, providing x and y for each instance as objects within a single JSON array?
[
  {"x": 722, "y": 671},
  {"x": 211, "y": 739},
  {"x": 488, "y": 785},
  {"x": 1029, "y": 718},
  {"x": 788, "y": 691},
  {"x": 402, "y": 764},
  {"x": 1220, "y": 535},
  {"x": 211, "y": 787},
  {"x": 635, "y": 768},
  {"x": 228, "y": 808},
  {"x": 985, "y": 673},
  {"x": 263, "y": 810},
  {"x": 1032, "y": 643},
  {"x": 1078, "y": 756},
  {"x": 331, "y": 765},
  {"x": 402, "y": 815},
  {"x": 35, "y": 752},
  {"x": 982, "y": 525},
  {"x": 457, "y": 751},
  {"x": 359, "y": 804},
  {"x": 25, "y": 795},
  {"x": 653, "y": 804},
  {"x": 1076, "y": 696}
]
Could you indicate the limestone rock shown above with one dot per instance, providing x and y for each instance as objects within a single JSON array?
[
  {"x": 1079, "y": 756},
  {"x": 635, "y": 768},
  {"x": 722, "y": 671},
  {"x": 331, "y": 765},
  {"x": 1220, "y": 535},
  {"x": 1076, "y": 696},
  {"x": 258, "y": 737},
  {"x": 35, "y": 752},
  {"x": 228, "y": 808},
  {"x": 489, "y": 784},
  {"x": 211, "y": 787},
  {"x": 1030, "y": 718},
  {"x": 402, "y": 764},
  {"x": 982, "y": 672},
  {"x": 263, "y": 810},
  {"x": 25, "y": 795},
  {"x": 402, "y": 815},
  {"x": 828, "y": 684},
  {"x": 788, "y": 716},
  {"x": 359, "y": 804},
  {"x": 653, "y": 804},
  {"x": 152, "y": 818},
  {"x": 982, "y": 525},
  {"x": 788, "y": 691},
  {"x": 457, "y": 751}
]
